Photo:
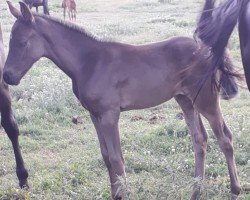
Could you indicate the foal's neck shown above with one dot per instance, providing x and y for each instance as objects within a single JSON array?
[{"x": 66, "y": 46}]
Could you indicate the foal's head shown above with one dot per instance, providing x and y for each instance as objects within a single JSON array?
[{"x": 25, "y": 46}]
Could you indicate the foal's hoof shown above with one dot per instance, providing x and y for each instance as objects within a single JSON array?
[
  {"x": 234, "y": 197},
  {"x": 24, "y": 185},
  {"x": 117, "y": 197},
  {"x": 195, "y": 195}
]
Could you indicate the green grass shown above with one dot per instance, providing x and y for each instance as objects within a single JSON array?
[{"x": 64, "y": 159}]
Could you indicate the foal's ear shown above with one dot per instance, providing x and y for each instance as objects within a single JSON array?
[
  {"x": 15, "y": 12},
  {"x": 26, "y": 13}
]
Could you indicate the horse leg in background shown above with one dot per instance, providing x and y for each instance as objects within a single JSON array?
[
  {"x": 199, "y": 138},
  {"x": 108, "y": 134},
  {"x": 69, "y": 14},
  {"x": 45, "y": 7},
  {"x": 211, "y": 111},
  {"x": 9, "y": 124},
  {"x": 64, "y": 13},
  {"x": 37, "y": 9},
  {"x": 72, "y": 15},
  {"x": 74, "y": 11}
]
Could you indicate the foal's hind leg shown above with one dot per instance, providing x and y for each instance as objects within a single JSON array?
[
  {"x": 211, "y": 110},
  {"x": 9, "y": 124},
  {"x": 199, "y": 138}
]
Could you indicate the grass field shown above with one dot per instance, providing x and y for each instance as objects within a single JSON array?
[{"x": 64, "y": 159}]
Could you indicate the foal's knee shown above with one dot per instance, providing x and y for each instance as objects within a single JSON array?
[{"x": 10, "y": 126}]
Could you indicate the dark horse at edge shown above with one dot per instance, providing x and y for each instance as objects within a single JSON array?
[
  {"x": 37, "y": 3},
  {"x": 216, "y": 26},
  {"x": 8, "y": 120},
  {"x": 111, "y": 77}
]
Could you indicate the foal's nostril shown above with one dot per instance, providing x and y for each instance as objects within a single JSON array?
[{"x": 6, "y": 77}]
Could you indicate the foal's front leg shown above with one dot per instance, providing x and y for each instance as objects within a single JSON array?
[
  {"x": 106, "y": 125},
  {"x": 9, "y": 124}
]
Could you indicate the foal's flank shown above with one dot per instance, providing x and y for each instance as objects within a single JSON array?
[{"x": 111, "y": 77}]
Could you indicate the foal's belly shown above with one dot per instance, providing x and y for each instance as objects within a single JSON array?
[
  {"x": 147, "y": 91},
  {"x": 144, "y": 101}
]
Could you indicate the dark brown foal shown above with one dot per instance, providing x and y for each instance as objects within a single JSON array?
[
  {"x": 9, "y": 123},
  {"x": 111, "y": 77}
]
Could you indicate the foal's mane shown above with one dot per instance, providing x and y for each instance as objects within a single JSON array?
[{"x": 69, "y": 25}]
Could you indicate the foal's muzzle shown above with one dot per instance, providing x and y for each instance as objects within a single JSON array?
[{"x": 9, "y": 78}]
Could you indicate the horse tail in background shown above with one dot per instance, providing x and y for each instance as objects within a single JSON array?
[
  {"x": 206, "y": 14},
  {"x": 214, "y": 30},
  {"x": 46, "y": 7}
]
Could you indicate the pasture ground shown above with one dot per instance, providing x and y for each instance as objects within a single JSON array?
[{"x": 64, "y": 159}]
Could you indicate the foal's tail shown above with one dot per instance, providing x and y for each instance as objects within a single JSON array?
[
  {"x": 214, "y": 30},
  {"x": 227, "y": 81}
]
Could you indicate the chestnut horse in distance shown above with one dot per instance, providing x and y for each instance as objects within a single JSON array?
[
  {"x": 111, "y": 77},
  {"x": 70, "y": 7}
]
